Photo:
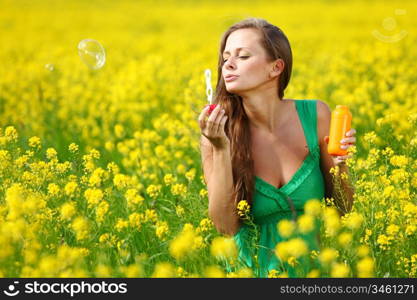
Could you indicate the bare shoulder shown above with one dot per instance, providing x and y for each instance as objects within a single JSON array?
[
  {"x": 323, "y": 109},
  {"x": 324, "y": 115}
]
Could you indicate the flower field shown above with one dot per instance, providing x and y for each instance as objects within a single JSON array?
[{"x": 100, "y": 169}]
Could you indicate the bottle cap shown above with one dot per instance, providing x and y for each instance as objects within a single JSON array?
[{"x": 342, "y": 107}]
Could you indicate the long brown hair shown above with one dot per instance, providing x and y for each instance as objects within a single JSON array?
[{"x": 237, "y": 128}]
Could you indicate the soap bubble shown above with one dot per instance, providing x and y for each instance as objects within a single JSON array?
[
  {"x": 92, "y": 53},
  {"x": 49, "y": 67}
]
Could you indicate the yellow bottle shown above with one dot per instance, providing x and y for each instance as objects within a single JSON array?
[{"x": 340, "y": 124}]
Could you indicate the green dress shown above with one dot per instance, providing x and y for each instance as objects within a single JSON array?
[{"x": 270, "y": 205}]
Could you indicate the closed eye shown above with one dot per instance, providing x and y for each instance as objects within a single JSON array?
[{"x": 244, "y": 57}]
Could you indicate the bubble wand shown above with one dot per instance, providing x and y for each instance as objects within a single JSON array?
[{"x": 209, "y": 90}]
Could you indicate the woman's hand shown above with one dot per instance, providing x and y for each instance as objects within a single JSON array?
[
  {"x": 213, "y": 128},
  {"x": 347, "y": 142}
]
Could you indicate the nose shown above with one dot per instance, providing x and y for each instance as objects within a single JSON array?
[{"x": 228, "y": 64}]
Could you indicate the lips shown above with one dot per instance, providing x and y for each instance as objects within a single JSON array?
[{"x": 231, "y": 77}]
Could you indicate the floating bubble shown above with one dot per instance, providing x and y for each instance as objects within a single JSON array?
[
  {"x": 49, "y": 67},
  {"x": 92, "y": 53}
]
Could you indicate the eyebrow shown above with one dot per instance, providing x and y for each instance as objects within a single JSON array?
[{"x": 237, "y": 49}]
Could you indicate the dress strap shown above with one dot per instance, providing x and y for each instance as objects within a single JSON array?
[{"x": 307, "y": 111}]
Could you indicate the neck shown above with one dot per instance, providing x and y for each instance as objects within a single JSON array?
[{"x": 265, "y": 113}]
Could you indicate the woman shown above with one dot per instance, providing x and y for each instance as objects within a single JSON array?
[{"x": 260, "y": 147}]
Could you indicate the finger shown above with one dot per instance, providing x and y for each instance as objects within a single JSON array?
[
  {"x": 343, "y": 157},
  {"x": 218, "y": 120},
  {"x": 212, "y": 118},
  {"x": 349, "y": 140},
  {"x": 203, "y": 113},
  {"x": 351, "y": 132},
  {"x": 202, "y": 116},
  {"x": 339, "y": 161},
  {"x": 221, "y": 125},
  {"x": 346, "y": 146},
  {"x": 216, "y": 124}
]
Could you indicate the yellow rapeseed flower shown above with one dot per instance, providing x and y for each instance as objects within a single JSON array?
[
  {"x": 179, "y": 189},
  {"x": 313, "y": 274},
  {"x": 70, "y": 188},
  {"x": 362, "y": 250},
  {"x": 15, "y": 196},
  {"x": 161, "y": 229},
  {"x": 153, "y": 190},
  {"x": 35, "y": 142},
  {"x": 331, "y": 221},
  {"x": 73, "y": 148},
  {"x": 179, "y": 210},
  {"x": 164, "y": 270},
  {"x": 121, "y": 224},
  {"x": 132, "y": 271},
  {"x": 393, "y": 229},
  {"x": 243, "y": 209},
  {"x": 328, "y": 255},
  {"x": 286, "y": 228},
  {"x": 295, "y": 247},
  {"x": 120, "y": 181},
  {"x": 370, "y": 137},
  {"x": 93, "y": 196},
  {"x": 94, "y": 154},
  {"x": 205, "y": 225},
  {"x": 312, "y": 207},
  {"x": 340, "y": 270},
  {"x": 101, "y": 210},
  {"x": 305, "y": 223},
  {"x": 298, "y": 247},
  {"x": 169, "y": 179},
  {"x": 113, "y": 168},
  {"x": 344, "y": 239},
  {"x": 214, "y": 271},
  {"x": 119, "y": 131},
  {"x": 384, "y": 241},
  {"x": 181, "y": 169},
  {"x": 181, "y": 246},
  {"x": 410, "y": 229},
  {"x": 399, "y": 160},
  {"x": 223, "y": 247},
  {"x": 135, "y": 220},
  {"x": 190, "y": 174},
  {"x": 203, "y": 192},
  {"x": 353, "y": 220},
  {"x": 102, "y": 271},
  {"x": 365, "y": 267},
  {"x": 68, "y": 210},
  {"x": 81, "y": 227},
  {"x": 150, "y": 215},
  {"x": 11, "y": 134},
  {"x": 51, "y": 153},
  {"x": 133, "y": 198},
  {"x": 53, "y": 189}
]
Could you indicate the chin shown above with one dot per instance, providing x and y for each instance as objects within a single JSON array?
[{"x": 232, "y": 89}]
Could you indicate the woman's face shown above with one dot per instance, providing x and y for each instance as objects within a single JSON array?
[{"x": 249, "y": 63}]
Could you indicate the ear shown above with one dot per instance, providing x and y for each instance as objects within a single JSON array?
[
  {"x": 326, "y": 139},
  {"x": 277, "y": 68}
]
